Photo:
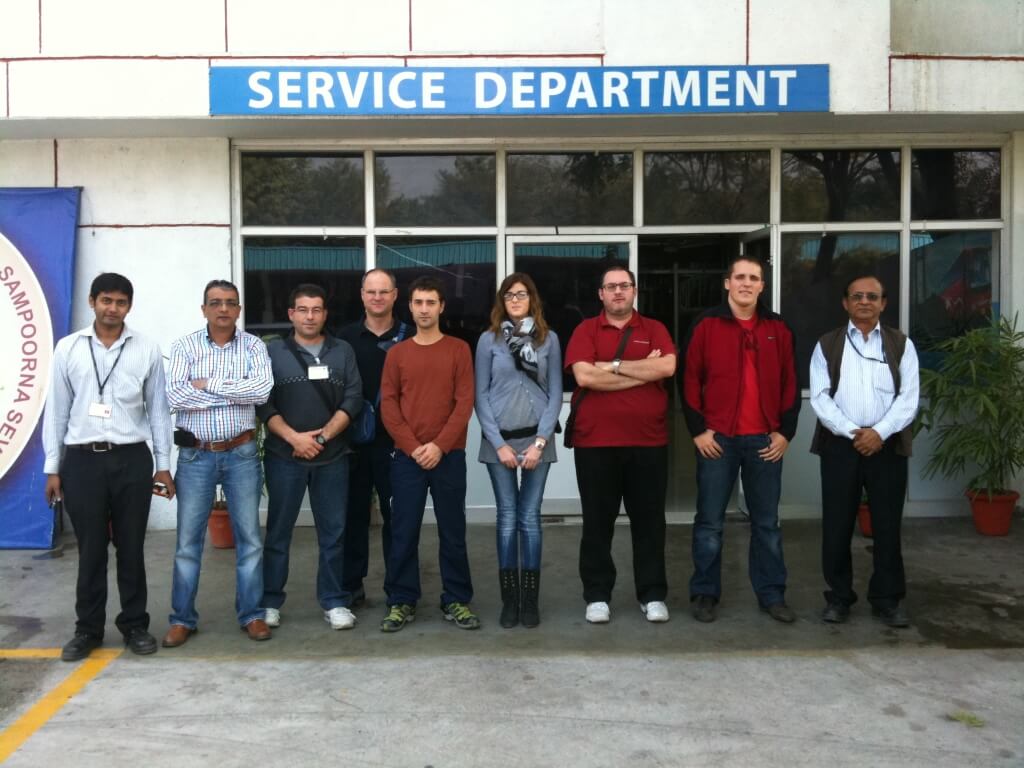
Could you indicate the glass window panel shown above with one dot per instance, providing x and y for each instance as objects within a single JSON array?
[
  {"x": 435, "y": 190},
  {"x": 273, "y": 266},
  {"x": 706, "y": 187},
  {"x": 466, "y": 266},
  {"x": 574, "y": 189},
  {"x": 567, "y": 277},
  {"x": 302, "y": 190},
  {"x": 954, "y": 286},
  {"x": 955, "y": 184},
  {"x": 815, "y": 271},
  {"x": 841, "y": 185}
]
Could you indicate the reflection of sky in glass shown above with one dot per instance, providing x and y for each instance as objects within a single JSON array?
[{"x": 415, "y": 175}]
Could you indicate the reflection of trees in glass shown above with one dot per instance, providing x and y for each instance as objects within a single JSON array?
[
  {"x": 463, "y": 195},
  {"x": 306, "y": 190},
  {"x": 841, "y": 185},
  {"x": 955, "y": 184},
  {"x": 812, "y": 300},
  {"x": 706, "y": 187},
  {"x": 570, "y": 189}
]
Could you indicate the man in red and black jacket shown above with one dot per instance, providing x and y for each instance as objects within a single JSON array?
[{"x": 741, "y": 403}]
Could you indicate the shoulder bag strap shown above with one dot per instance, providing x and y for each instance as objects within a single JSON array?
[
  {"x": 618, "y": 354},
  {"x": 294, "y": 348}
]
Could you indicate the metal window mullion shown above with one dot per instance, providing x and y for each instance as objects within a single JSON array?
[
  {"x": 939, "y": 226},
  {"x": 904, "y": 263},
  {"x": 774, "y": 220},
  {"x": 370, "y": 208},
  {"x": 506, "y": 261},
  {"x": 237, "y": 252},
  {"x": 303, "y": 231},
  {"x": 835, "y": 227},
  {"x": 436, "y": 231},
  {"x": 638, "y": 188}
]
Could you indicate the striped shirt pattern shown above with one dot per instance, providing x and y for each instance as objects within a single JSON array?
[
  {"x": 238, "y": 378},
  {"x": 135, "y": 392},
  {"x": 866, "y": 396}
]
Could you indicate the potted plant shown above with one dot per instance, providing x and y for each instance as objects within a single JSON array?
[
  {"x": 974, "y": 405},
  {"x": 219, "y": 523}
]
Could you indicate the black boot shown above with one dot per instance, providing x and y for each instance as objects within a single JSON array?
[
  {"x": 509, "y": 580},
  {"x": 529, "y": 613}
]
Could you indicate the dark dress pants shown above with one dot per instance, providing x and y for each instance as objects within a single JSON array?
[
  {"x": 106, "y": 493},
  {"x": 369, "y": 469},
  {"x": 636, "y": 477},
  {"x": 844, "y": 472}
]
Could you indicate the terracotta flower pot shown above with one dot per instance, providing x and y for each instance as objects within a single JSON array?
[
  {"x": 992, "y": 516},
  {"x": 864, "y": 520},
  {"x": 219, "y": 526}
]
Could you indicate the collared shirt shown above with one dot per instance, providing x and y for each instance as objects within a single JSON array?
[
  {"x": 371, "y": 350},
  {"x": 238, "y": 378},
  {"x": 629, "y": 417},
  {"x": 866, "y": 396},
  {"x": 134, "y": 391}
]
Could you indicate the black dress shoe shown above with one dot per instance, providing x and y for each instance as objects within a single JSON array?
[
  {"x": 836, "y": 613},
  {"x": 139, "y": 641},
  {"x": 780, "y": 612},
  {"x": 894, "y": 616},
  {"x": 703, "y": 608},
  {"x": 80, "y": 646}
]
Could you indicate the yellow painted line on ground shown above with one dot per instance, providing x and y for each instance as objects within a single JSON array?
[
  {"x": 30, "y": 653},
  {"x": 18, "y": 732}
]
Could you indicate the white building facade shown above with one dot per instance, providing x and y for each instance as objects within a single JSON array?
[{"x": 909, "y": 163}]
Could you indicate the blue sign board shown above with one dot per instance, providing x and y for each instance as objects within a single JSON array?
[
  {"x": 38, "y": 228},
  {"x": 463, "y": 91}
]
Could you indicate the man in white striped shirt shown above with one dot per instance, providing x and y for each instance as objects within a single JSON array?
[
  {"x": 106, "y": 399},
  {"x": 217, "y": 377},
  {"x": 864, "y": 389}
]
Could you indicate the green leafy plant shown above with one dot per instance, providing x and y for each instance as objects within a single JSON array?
[{"x": 974, "y": 404}]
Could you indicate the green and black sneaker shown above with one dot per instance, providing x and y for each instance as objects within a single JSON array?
[
  {"x": 461, "y": 615},
  {"x": 398, "y": 616}
]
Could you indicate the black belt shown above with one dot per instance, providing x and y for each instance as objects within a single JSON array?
[
  {"x": 512, "y": 434},
  {"x": 104, "y": 447}
]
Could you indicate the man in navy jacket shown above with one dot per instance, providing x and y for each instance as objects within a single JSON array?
[{"x": 741, "y": 404}]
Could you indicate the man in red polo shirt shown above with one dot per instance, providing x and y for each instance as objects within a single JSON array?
[
  {"x": 621, "y": 439},
  {"x": 741, "y": 406}
]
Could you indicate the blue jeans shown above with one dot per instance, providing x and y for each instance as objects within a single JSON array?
[
  {"x": 518, "y": 523},
  {"x": 287, "y": 481},
  {"x": 762, "y": 484},
  {"x": 199, "y": 472},
  {"x": 409, "y": 485}
]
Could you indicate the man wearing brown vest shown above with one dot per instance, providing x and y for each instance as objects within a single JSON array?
[{"x": 864, "y": 389}]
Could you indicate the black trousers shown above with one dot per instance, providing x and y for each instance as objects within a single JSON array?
[
  {"x": 108, "y": 493},
  {"x": 637, "y": 478},
  {"x": 844, "y": 472},
  {"x": 369, "y": 468}
]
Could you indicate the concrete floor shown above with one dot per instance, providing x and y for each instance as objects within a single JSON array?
[{"x": 744, "y": 691}]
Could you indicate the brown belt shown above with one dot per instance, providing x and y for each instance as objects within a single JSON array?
[{"x": 219, "y": 446}]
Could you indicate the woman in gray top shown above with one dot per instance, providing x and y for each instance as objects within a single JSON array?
[{"x": 518, "y": 397}]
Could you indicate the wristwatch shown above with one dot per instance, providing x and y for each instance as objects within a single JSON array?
[
  {"x": 321, "y": 440},
  {"x": 615, "y": 365},
  {"x": 540, "y": 443}
]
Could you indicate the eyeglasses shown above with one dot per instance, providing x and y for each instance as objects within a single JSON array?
[
  {"x": 610, "y": 287},
  {"x": 218, "y": 303},
  {"x": 861, "y": 296},
  {"x": 378, "y": 294},
  {"x": 517, "y": 296},
  {"x": 314, "y": 311}
]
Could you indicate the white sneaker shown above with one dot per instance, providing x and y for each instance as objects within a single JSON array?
[
  {"x": 598, "y": 613},
  {"x": 655, "y": 610},
  {"x": 272, "y": 617},
  {"x": 340, "y": 618}
]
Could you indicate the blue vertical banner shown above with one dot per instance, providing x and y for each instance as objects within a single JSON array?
[{"x": 38, "y": 228}]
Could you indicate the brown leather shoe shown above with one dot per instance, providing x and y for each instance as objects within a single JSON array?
[
  {"x": 257, "y": 629},
  {"x": 177, "y": 635}
]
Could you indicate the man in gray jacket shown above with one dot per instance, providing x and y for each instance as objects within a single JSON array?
[{"x": 317, "y": 392}]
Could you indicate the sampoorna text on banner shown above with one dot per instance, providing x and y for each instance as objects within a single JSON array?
[{"x": 504, "y": 90}]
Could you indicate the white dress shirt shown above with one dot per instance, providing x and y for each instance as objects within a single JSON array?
[
  {"x": 135, "y": 392},
  {"x": 866, "y": 396}
]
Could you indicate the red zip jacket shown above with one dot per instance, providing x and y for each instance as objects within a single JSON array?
[{"x": 713, "y": 372}]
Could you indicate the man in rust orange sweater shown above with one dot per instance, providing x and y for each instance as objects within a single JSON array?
[{"x": 426, "y": 402}]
